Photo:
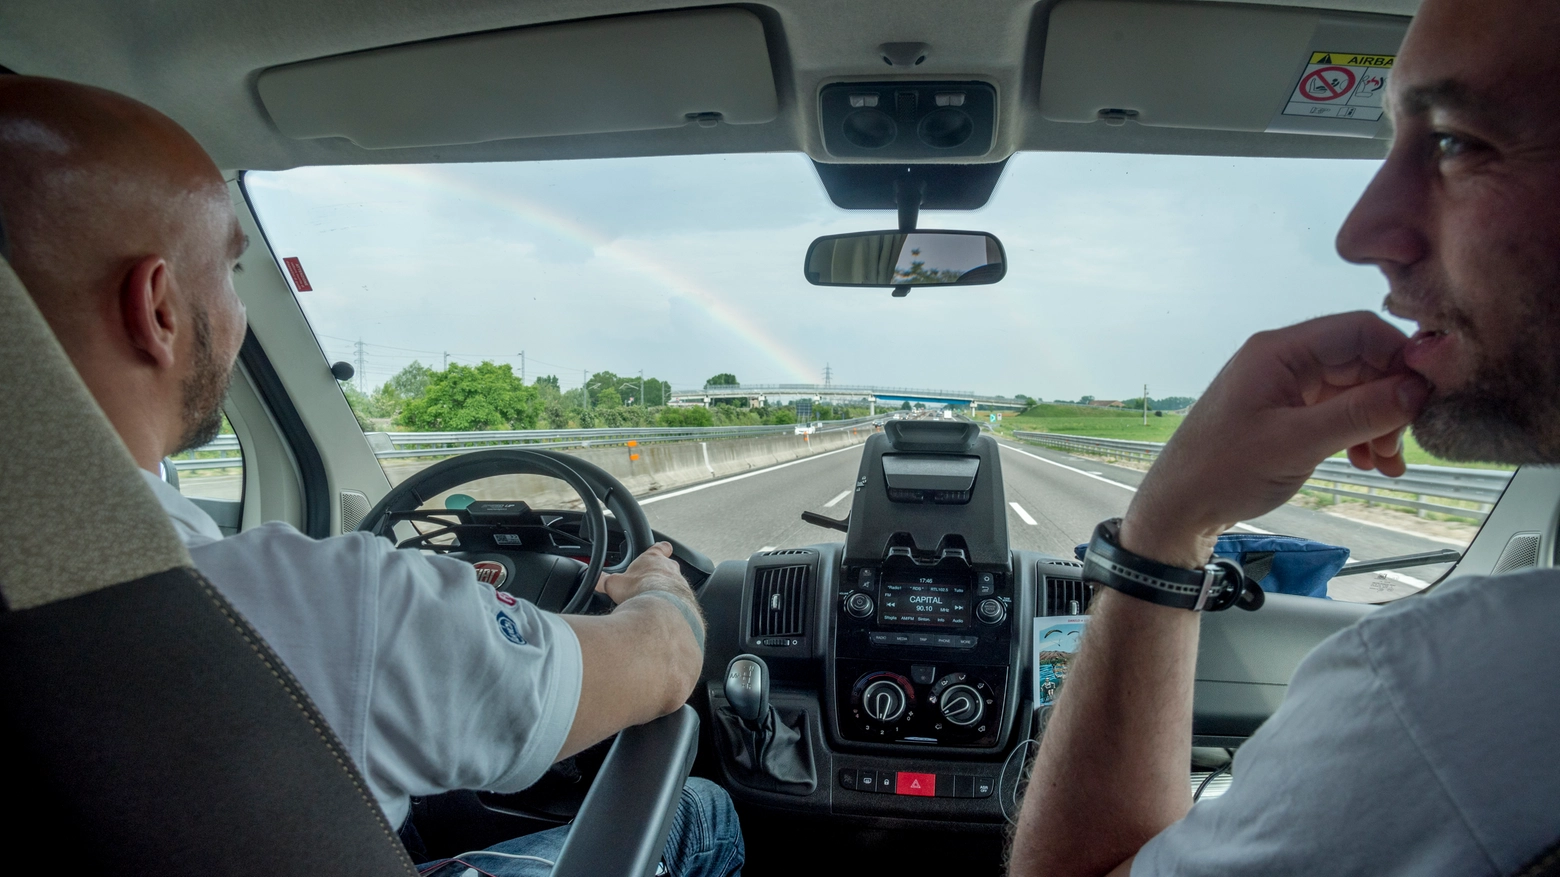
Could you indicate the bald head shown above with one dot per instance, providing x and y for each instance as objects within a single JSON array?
[{"x": 120, "y": 227}]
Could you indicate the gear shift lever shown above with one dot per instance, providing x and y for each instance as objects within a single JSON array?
[
  {"x": 747, "y": 689},
  {"x": 765, "y": 747}
]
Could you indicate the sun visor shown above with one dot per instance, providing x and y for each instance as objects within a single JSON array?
[
  {"x": 630, "y": 73},
  {"x": 1218, "y": 67}
]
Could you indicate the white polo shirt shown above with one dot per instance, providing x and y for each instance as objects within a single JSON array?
[
  {"x": 432, "y": 680},
  {"x": 1420, "y": 740}
]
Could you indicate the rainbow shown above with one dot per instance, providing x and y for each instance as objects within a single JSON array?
[{"x": 435, "y": 179}]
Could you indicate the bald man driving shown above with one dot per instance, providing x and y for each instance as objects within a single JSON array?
[
  {"x": 1421, "y": 739},
  {"x": 121, "y": 229}
]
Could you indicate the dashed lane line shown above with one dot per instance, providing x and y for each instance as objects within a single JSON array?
[
  {"x": 1097, "y": 477},
  {"x": 836, "y": 501},
  {"x": 708, "y": 484},
  {"x": 1019, "y": 510}
]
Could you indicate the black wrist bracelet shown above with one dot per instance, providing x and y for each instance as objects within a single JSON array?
[{"x": 1218, "y": 585}]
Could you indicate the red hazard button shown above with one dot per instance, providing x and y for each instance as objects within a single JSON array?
[{"x": 923, "y": 784}]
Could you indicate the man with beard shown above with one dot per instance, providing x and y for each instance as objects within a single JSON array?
[
  {"x": 122, "y": 230},
  {"x": 1369, "y": 766}
]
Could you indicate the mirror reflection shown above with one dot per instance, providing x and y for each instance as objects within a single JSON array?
[{"x": 906, "y": 258}]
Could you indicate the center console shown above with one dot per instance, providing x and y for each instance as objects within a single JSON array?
[
  {"x": 895, "y": 658},
  {"x": 924, "y": 634},
  {"x": 922, "y": 655}
]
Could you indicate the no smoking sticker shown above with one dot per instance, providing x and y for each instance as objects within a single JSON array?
[{"x": 1341, "y": 85}]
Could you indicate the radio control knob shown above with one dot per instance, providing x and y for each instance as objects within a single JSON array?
[
  {"x": 961, "y": 704},
  {"x": 884, "y": 701},
  {"x": 858, "y": 605},
  {"x": 991, "y": 610}
]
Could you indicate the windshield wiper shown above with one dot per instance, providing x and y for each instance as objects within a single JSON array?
[{"x": 1445, "y": 555}]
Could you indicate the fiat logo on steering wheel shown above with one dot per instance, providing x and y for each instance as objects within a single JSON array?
[{"x": 491, "y": 573}]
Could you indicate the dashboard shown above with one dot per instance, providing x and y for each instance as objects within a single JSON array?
[{"x": 899, "y": 660}]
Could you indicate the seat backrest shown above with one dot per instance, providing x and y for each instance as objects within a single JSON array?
[{"x": 146, "y": 727}]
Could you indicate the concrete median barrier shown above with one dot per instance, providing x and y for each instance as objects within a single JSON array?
[{"x": 658, "y": 467}]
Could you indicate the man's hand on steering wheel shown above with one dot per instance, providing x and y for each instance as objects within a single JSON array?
[{"x": 653, "y": 570}]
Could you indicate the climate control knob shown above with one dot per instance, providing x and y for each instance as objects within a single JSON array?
[
  {"x": 884, "y": 701},
  {"x": 858, "y": 605},
  {"x": 962, "y": 705},
  {"x": 991, "y": 611}
]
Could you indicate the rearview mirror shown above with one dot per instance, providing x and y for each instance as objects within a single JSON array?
[{"x": 906, "y": 258}]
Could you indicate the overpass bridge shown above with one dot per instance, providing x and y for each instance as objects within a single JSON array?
[{"x": 758, "y": 393}]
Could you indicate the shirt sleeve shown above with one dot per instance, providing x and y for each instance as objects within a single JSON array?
[
  {"x": 1332, "y": 783},
  {"x": 471, "y": 688}
]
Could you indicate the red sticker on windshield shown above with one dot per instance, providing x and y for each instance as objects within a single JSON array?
[{"x": 299, "y": 279}]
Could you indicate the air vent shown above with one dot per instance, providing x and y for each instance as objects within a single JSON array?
[
  {"x": 780, "y": 601},
  {"x": 1065, "y": 596},
  {"x": 784, "y": 551}
]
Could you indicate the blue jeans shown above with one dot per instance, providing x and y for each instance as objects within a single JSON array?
[{"x": 706, "y": 841}]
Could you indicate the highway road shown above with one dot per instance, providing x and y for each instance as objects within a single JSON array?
[{"x": 1055, "y": 499}]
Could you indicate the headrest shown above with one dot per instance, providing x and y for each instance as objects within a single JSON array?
[{"x": 75, "y": 514}]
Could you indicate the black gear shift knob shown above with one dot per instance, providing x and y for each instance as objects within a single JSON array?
[{"x": 747, "y": 687}]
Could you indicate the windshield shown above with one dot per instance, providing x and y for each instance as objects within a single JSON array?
[{"x": 669, "y": 293}]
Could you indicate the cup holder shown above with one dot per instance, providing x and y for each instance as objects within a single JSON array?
[
  {"x": 945, "y": 128},
  {"x": 870, "y": 129}
]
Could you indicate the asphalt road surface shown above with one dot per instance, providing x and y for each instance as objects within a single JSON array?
[{"x": 1055, "y": 499}]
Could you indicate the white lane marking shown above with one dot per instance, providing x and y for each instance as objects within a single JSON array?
[
  {"x": 1394, "y": 575},
  {"x": 1019, "y": 510},
  {"x": 1070, "y": 469},
  {"x": 708, "y": 484},
  {"x": 1247, "y": 527},
  {"x": 836, "y": 501},
  {"x": 767, "y": 548}
]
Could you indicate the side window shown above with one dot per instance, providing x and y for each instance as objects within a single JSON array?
[{"x": 212, "y": 476}]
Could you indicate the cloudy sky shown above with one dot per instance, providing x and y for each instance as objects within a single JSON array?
[{"x": 1123, "y": 270}]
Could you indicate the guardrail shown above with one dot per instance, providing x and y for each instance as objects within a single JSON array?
[
  {"x": 1334, "y": 476},
  {"x": 391, "y": 445}
]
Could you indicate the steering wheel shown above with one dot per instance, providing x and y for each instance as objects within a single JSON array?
[{"x": 523, "y": 542}]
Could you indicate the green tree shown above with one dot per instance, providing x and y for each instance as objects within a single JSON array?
[
  {"x": 692, "y": 416},
  {"x": 905, "y": 406},
  {"x": 780, "y": 416},
  {"x": 724, "y": 379},
  {"x": 411, "y": 381},
  {"x": 657, "y": 392},
  {"x": 361, "y": 405},
  {"x": 547, "y": 387},
  {"x": 463, "y": 398},
  {"x": 607, "y": 397}
]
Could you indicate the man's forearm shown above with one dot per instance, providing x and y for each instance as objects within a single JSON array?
[
  {"x": 686, "y": 604},
  {"x": 1112, "y": 768}
]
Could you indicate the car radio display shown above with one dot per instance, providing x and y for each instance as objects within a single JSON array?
[{"x": 927, "y": 600}]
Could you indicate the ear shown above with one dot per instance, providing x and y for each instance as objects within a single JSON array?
[{"x": 146, "y": 304}]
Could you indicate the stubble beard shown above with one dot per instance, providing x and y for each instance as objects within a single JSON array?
[
  {"x": 204, "y": 389},
  {"x": 1509, "y": 410}
]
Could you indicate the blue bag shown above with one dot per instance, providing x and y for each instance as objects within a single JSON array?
[{"x": 1280, "y": 564}]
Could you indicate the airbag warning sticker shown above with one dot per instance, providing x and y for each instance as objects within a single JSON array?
[{"x": 1341, "y": 85}]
